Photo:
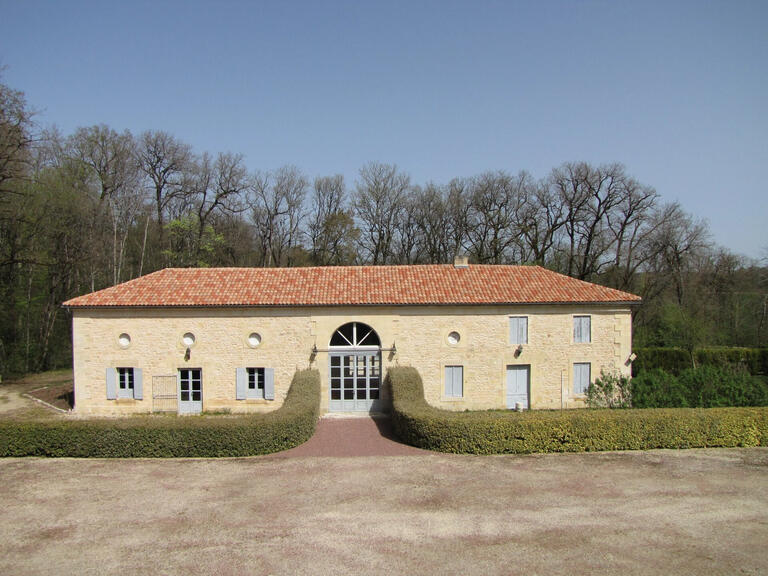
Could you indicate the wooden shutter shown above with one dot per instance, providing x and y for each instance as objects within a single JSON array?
[
  {"x": 138, "y": 384},
  {"x": 111, "y": 384},
  {"x": 241, "y": 383},
  {"x": 269, "y": 383},
  {"x": 518, "y": 330},
  {"x": 582, "y": 328},
  {"x": 454, "y": 381},
  {"x": 581, "y": 377}
]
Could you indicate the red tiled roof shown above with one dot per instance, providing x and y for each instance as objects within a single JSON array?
[{"x": 350, "y": 285}]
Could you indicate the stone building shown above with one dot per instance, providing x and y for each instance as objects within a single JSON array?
[{"x": 230, "y": 339}]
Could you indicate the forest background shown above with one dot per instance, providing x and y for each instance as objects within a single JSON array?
[{"x": 88, "y": 210}]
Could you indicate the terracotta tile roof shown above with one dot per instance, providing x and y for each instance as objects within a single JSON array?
[{"x": 350, "y": 285}]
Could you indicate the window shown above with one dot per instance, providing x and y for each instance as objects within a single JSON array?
[
  {"x": 124, "y": 383},
  {"x": 255, "y": 383},
  {"x": 454, "y": 381},
  {"x": 582, "y": 329},
  {"x": 582, "y": 374},
  {"x": 518, "y": 330}
]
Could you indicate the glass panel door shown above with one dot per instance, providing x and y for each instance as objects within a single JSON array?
[{"x": 190, "y": 391}]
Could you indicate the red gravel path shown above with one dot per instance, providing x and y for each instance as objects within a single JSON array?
[{"x": 353, "y": 436}]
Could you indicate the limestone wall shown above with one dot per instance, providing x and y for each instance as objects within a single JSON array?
[{"x": 420, "y": 334}]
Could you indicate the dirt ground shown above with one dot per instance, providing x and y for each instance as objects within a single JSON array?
[
  {"x": 658, "y": 512},
  {"x": 14, "y": 405}
]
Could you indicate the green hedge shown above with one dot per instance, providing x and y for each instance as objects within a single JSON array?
[
  {"x": 172, "y": 436},
  {"x": 676, "y": 360},
  {"x": 504, "y": 432},
  {"x": 704, "y": 387}
]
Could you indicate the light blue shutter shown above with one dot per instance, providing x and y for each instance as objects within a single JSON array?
[
  {"x": 111, "y": 384},
  {"x": 581, "y": 377},
  {"x": 269, "y": 383},
  {"x": 448, "y": 381},
  {"x": 581, "y": 328},
  {"x": 518, "y": 330},
  {"x": 458, "y": 381},
  {"x": 138, "y": 384},
  {"x": 241, "y": 383}
]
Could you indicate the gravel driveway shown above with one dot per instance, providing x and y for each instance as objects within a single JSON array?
[{"x": 658, "y": 512}]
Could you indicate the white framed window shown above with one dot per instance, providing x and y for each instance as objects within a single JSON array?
[
  {"x": 582, "y": 329},
  {"x": 582, "y": 375},
  {"x": 454, "y": 381},
  {"x": 124, "y": 382},
  {"x": 255, "y": 383},
  {"x": 518, "y": 329}
]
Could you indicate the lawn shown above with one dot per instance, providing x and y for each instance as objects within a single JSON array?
[{"x": 53, "y": 387}]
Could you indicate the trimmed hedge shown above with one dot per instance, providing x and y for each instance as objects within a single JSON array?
[
  {"x": 704, "y": 387},
  {"x": 170, "y": 436},
  {"x": 676, "y": 360},
  {"x": 503, "y": 432}
]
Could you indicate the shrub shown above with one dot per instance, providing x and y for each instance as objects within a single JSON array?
[
  {"x": 610, "y": 390},
  {"x": 500, "y": 432},
  {"x": 658, "y": 389},
  {"x": 710, "y": 386},
  {"x": 169, "y": 436}
]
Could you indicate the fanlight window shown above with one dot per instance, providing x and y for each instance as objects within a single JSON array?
[{"x": 355, "y": 334}]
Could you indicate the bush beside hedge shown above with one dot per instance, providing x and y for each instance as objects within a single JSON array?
[
  {"x": 502, "y": 432},
  {"x": 704, "y": 387},
  {"x": 169, "y": 436}
]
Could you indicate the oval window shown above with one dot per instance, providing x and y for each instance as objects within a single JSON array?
[
  {"x": 454, "y": 337},
  {"x": 188, "y": 339},
  {"x": 254, "y": 339},
  {"x": 124, "y": 340}
]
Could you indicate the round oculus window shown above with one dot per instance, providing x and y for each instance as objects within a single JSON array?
[
  {"x": 188, "y": 339},
  {"x": 124, "y": 340},
  {"x": 454, "y": 337},
  {"x": 254, "y": 339}
]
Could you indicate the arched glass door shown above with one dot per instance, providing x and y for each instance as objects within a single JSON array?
[{"x": 355, "y": 369}]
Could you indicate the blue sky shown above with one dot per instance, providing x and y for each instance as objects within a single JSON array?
[{"x": 676, "y": 91}]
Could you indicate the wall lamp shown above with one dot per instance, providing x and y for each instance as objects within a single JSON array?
[
  {"x": 518, "y": 350},
  {"x": 187, "y": 354}
]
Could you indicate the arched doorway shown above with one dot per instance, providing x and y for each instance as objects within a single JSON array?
[{"x": 354, "y": 354}]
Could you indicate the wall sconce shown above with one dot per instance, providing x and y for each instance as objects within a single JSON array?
[
  {"x": 518, "y": 350},
  {"x": 314, "y": 349},
  {"x": 394, "y": 348},
  {"x": 632, "y": 358},
  {"x": 187, "y": 354}
]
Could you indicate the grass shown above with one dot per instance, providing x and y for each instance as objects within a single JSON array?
[{"x": 14, "y": 406}]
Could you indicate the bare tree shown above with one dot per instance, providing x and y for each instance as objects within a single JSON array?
[
  {"x": 491, "y": 232},
  {"x": 111, "y": 158},
  {"x": 164, "y": 160},
  {"x": 331, "y": 230},
  {"x": 278, "y": 212},
  {"x": 378, "y": 206}
]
